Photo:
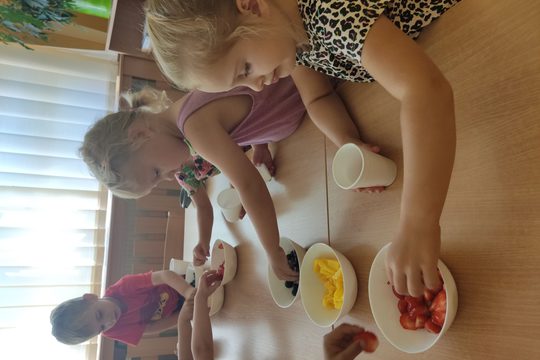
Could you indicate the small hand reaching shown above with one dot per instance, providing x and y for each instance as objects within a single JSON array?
[
  {"x": 411, "y": 261},
  {"x": 373, "y": 189},
  {"x": 262, "y": 155},
  {"x": 281, "y": 267},
  {"x": 208, "y": 283},
  {"x": 340, "y": 343},
  {"x": 200, "y": 253}
]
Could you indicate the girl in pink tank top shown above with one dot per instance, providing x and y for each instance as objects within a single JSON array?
[{"x": 132, "y": 151}]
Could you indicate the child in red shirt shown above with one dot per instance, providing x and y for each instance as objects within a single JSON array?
[{"x": 135, "y": 305}]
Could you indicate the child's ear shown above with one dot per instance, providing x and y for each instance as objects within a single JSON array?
[
  {"x": 90, "y": 297},
  {"x": 139, "y": 132},
  {"x": 252, "y": 7}
]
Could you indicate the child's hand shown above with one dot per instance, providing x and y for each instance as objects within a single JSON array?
[
  {"x": 200, "y": 253},
  {"x": 262, "y": 155},
  {"x": 373, "y": 189},
  {"x": 186, "y": 312},
  {"x": 411, "y": 261},
  {"x": 281, "y": 267},
  {"x": 339, "y": 344},
  {"x": 208, "y": 283}
]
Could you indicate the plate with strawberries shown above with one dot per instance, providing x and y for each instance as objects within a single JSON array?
[
  {"x": 411, "y": 324},
  {"x": 223, "y": 259}
]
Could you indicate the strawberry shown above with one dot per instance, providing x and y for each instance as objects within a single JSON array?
[
  {"x": 432, "y": 327},
  {"x": 370, "y": 341},
  {"x": 438, "y": 317},
  {"x": 428, "y": 296},
  {"x": 419, "y": 310},
  {"x": 220, "y": 246},
  {"x": 402, "y": 306},
  {"x": 421, "y": 321},
  {"x": 439, "y": 302},
  {"x": 438, "y": 308},
  {"x": 407, "y": 322},
  {"x": 413, "y": 302},
  {"x": 221, "y": 271}
]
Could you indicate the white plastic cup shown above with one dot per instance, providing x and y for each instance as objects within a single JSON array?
[
  {"x": 179, "y": 266},
  {"x": 229, "y": 202},
  {"x": 265, "y": 174},
  {"x": 354, "y": 167}
]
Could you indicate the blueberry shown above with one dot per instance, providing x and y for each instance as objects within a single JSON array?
[{"x": 289, "y": 284}]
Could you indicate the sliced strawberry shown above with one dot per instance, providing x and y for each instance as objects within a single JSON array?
[
  {"x": 439, "y": 302},
  {"x": 402, "y": 306},
  {"x": 413, "y": 302},
  {"x": 407, "y": 322},
  {"x": 420, "y": 321},
  {"x": 419, "y": 310},
  {"x": 221, "y": 270},
  {"x": 438, "y": 308},
  {"x": 220, "y": 246},
  {"x": 432, "y": 327},
  {"x": 369, "y": 339},
  {"x": 438, "y": 317},
  {"x": 428, "y": 295}
]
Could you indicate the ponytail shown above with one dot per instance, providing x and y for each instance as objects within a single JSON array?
[{"x": 147, "y": 99}]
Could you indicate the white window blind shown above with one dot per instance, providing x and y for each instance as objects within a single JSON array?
[{"x": 52, "y": 212}]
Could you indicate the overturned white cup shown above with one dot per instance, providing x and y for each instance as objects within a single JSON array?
[
  {"x": 354, "y": 167},
  {"x": 229, "y": 202},
  {"x": 265, "y": 173}
]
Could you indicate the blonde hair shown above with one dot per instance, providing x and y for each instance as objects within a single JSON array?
[
  {"x": 107, "y": 146},
  {"x": 65, "y": 321},
  {"x": 189, "y": 35}
]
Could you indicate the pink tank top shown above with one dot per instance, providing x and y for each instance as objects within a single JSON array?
[{"x": 276, "y": 112}]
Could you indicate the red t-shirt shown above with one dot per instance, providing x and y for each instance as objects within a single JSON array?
[{"x": 143, "y": 303}]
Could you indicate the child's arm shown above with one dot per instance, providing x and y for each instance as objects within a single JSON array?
[
  {"x": 328, "y": 112},
  {"x": 202, "y": 343},
  {"x": 214, "y": 144},
  {"x": 324, "y": 106},
  {"x": 205, "y": 221},
  {"x": 429, "y": 136},
  {"x": 184, "y": 329},
  {"x": 174, "y": 280},
  {"x": 159, "y": 326}
]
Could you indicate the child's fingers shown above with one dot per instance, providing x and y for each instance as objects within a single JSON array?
[
  {"x": 431, "y": 278},
  {"x": 414, "y": 283},
  {"x": 347, "y": 329}
]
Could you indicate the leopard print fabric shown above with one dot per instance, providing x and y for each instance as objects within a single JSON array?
[{"x": 337, "y": 30}]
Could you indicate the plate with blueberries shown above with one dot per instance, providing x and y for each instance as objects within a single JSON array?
[{"x": 283, "y": 292}]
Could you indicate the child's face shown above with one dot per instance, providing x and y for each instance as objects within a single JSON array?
[
  {"x": 157, "y": 159},
  {"x": 253, "y": 62},
  {"x": 101, "y": 315}
]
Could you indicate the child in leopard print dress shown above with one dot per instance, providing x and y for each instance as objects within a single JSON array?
[{"x": 218, "y": 45}]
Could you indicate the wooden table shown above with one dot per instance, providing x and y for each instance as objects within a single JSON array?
[
  {"x": 490, "y": 52},
  {"x": 250, "y": 325}
]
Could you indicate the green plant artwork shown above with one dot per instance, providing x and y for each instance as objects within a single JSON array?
[
  {"x": 100, "y": 8},
  {"x": 20, "y": 18}
]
